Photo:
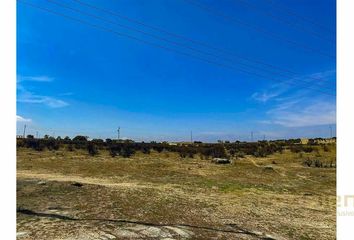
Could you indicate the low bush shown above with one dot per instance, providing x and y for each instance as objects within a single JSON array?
[
  {"x": 92, "y": 149},
  {"x": 127, "y": 152},
  {"x": 308, "y": 162}
]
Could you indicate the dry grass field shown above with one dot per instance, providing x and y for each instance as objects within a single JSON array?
[{"x": 71, "y": 195}]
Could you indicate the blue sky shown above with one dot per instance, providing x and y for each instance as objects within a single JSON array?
[{"x": 76, "y": 79}]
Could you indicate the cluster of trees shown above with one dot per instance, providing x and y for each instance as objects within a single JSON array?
[
  {"x": 38, "y": 144},
  {"x": 257, "y": 149},
  {"x": 301, "y": 148},
  {"x": 127, "y": 148}
]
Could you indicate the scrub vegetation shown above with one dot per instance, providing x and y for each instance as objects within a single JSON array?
[{"x": 109, "y": 189}]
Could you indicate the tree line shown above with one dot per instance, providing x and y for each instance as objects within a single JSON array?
[{"x": 127, "y": 148}]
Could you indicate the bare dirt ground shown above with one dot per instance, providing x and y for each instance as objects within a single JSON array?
[{"x": 70, "y": 195}]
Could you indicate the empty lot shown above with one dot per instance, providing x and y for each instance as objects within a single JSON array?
[{"x": 71, "y": 195}]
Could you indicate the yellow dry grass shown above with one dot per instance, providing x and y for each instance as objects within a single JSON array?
[{"x": 276, "y": 195}]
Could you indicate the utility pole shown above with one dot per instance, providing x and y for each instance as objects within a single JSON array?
[
  {"x": 191, "y": 137},
  {"x": 37, "y": 134},
  {"x": 118, "y": 132},
  {"x": 330, "y": 130},
  {"x": 264, "y": 138},
  {"x": 252, "y": 136},
  {"x": 24, "y": 131}
]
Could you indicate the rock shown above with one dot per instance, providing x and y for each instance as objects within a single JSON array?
[
  {"x": 269, "y": 237},
  {"x": 221, "y": 161},
  {"x": 152, "y": 232},
  {"x": 126, "y": 234},
  {"x": 268, "y": 168},
  {"x": 41, "y": 183},
  {"x": 77, "y": 184},
  {"x": 180, "y": 232},
  {"x": 107, "y": 236},
  {"x": 21, "y": 234},
  {"x": 54, "y": 207}
]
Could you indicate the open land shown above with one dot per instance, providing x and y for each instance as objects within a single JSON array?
[{"x": 65, "y": 194}]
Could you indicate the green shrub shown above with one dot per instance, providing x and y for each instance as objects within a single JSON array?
[
  {"x": 318, "y": 163},
  {"x": 52, "y": 144},
  {"x": 127, "y": 152},
  {"x": 326, "y": 148},
  {"x": 145, "y": 150},
  {"x": 308, "y": 162},
  {"x": 70, "y": 147},
  {"x": 92, "y": 149}
]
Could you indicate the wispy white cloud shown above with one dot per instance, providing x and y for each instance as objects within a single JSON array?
[
  {"x": 314, "y": 80},
  {"x": 264, "y": 96},
  {"x": 323, "y": 76},
  {"x": 306, "y": 113},
  {"x": 22, "y": 119},
  {"x": 35, "y": 78},
  {"x": 272, "y": 92},
  {"x": 25, "y": 96},
  {"x": 285, "y": 104},
  {"x": 299, "y": 108},
  {"x": 52, "y": 102}
]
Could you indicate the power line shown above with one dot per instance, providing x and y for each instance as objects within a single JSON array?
[
  {"x": 167, "y": 48},
  {"x": 171, "y": 41},
  {"x": 170, "y": 49},
  {"x": 285, "y": 21},
  {"x": 188, "y": 38},
  {"x": 303, "y": 18},
  {"x": 155, "y": 36},
  {"x": 257, "y": 28}
]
